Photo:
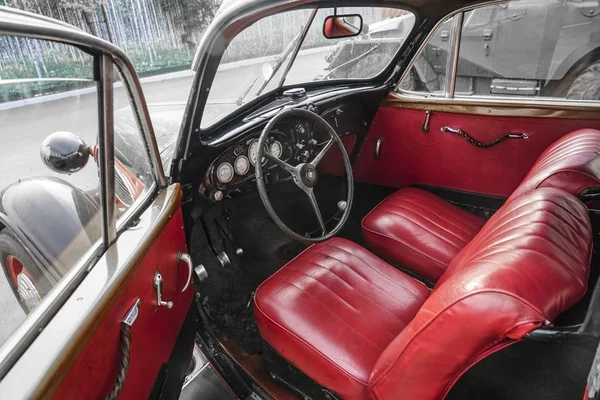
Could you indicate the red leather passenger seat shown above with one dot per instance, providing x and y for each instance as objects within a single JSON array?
[
  {"x": 365, "y": 330},
  {"x": 417, "y": 229},
  {"x": 421, "y": 232}
]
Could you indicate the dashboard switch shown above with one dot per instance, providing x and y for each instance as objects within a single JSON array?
[{"x": 217, "y": 195}]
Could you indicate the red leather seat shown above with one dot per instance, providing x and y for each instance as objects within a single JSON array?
[
  {"x": 364, "y": 330},
  {"x": 423, "y": 233},
  {"x": 418, "y": 230},
  {"x": 333, "y": 310},
  {"x": 572, "y": 163}
]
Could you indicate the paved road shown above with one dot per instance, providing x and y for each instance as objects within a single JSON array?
[{"x": 23, "y": 129}]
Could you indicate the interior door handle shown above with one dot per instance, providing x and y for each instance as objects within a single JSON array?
[{"x": 188, "y": 261}]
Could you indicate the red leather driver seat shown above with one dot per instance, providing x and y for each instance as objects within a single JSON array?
[{"x": 364, "y": 330}]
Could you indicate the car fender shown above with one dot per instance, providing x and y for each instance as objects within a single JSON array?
[
  {"x": 577, "y": 61},
  {"x": 55, "y": 221}
]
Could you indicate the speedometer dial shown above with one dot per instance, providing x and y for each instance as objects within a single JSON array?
[
  {"x": 276, "y": 149},
  {"x": 241, "y": 165},
  {"x": 225, "y": 172},
  {"x": 252, "y": 151}
]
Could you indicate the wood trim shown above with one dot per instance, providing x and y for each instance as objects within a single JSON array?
[
  {"x": 46, "y": 363},
  {"x": 493, "y": 107}
]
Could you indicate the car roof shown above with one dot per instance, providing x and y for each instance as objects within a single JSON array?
[{"x": 433, "y": 9}]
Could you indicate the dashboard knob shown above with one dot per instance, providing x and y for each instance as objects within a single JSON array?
[{"x": 217, "y": 196}]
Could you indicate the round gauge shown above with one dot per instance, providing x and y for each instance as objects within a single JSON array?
[
  {"x": 252, "y": 151},
  {"x": 225, "y": 172},
  {"x": 241, "y": 165},
  {"x": 275, "y": 149}
]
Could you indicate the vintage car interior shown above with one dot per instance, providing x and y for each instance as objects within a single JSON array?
[
  {"x": 359, "y": 240},
  {"x": 434, "y": 263}
]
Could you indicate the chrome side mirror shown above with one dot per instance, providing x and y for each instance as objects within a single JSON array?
[{"x": 64, "y": 152}]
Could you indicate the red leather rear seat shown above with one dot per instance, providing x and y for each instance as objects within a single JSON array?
[{"x": 421, "y": 232}]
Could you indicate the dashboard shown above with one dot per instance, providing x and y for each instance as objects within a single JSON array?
[{"x": 294, "y": 140}]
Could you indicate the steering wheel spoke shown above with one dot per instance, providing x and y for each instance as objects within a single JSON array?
[
  {"x": 322, "y": 153},
  {"x": 313, "y": 201},
  {"x": 280, "y": 163},
  {"x": 305, "y": 175}
]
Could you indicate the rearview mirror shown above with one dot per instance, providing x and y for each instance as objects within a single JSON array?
[
  {"x": 64, "y": 152},
  {"x": 342, "y": 26}
]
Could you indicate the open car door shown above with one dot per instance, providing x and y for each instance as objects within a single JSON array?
[{"x": 119, "y": 322}]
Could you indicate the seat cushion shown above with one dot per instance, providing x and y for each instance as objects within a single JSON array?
[
  {"x": 332, "y": 311},
  {"x": 419, "y": 231}
]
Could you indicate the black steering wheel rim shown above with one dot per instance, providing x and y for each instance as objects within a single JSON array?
[{"x": 304, "y": 175}]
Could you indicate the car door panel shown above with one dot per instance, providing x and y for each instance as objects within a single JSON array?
[
  {"x": 411, "y": 156},
  {"x": 152, "y": 335},
  {"x": 77, "y": 355}
]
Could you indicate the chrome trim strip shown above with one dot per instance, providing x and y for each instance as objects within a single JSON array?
[
  {"x": 452, "y": 65},
  {"x": 106, "y": 163}
]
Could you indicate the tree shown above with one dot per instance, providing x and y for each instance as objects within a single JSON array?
[
  {"x": 192, "y": 15},
  {"x": 87, "y": 9}
]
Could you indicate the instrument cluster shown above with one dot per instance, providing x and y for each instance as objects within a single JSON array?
[{"x": 237, "y": 164}]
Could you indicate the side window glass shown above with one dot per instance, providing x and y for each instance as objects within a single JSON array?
[
  {"x": 133, "y": 175},
  {"x": 531, "y": 49},
  {"x": 49, "y": 187},
  {"x": 428, "y": 73}
]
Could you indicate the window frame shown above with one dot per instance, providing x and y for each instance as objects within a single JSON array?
[
  {"x": 450, "y": 96},
  {"x": 106, "y": 58}
]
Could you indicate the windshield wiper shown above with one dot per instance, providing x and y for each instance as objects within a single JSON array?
[
  {"x": 294, "y": 46},
  {"x": 280, "y": 59},
  {"x": 357, "y": 58}
]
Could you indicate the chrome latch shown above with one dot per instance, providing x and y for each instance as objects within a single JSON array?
[
  {"x": 158, "y": 281},
  {"x": 378, "y": 144}
]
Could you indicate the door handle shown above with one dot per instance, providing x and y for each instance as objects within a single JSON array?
[
  {"x": 487, "y": 34},
  {"x": 181, "y": 256}
]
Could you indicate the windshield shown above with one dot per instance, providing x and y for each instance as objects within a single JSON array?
[{"x": 290, "y": 49}]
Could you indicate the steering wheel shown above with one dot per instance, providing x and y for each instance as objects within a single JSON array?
[{"x": 304, "y": 175}]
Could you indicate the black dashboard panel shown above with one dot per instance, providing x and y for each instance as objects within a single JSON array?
[{"x": 348, "y": 114}]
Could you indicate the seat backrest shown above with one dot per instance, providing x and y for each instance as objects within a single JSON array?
[
  {"x": 572, "y": 163},
  {"x": 529, "y": 263}
]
